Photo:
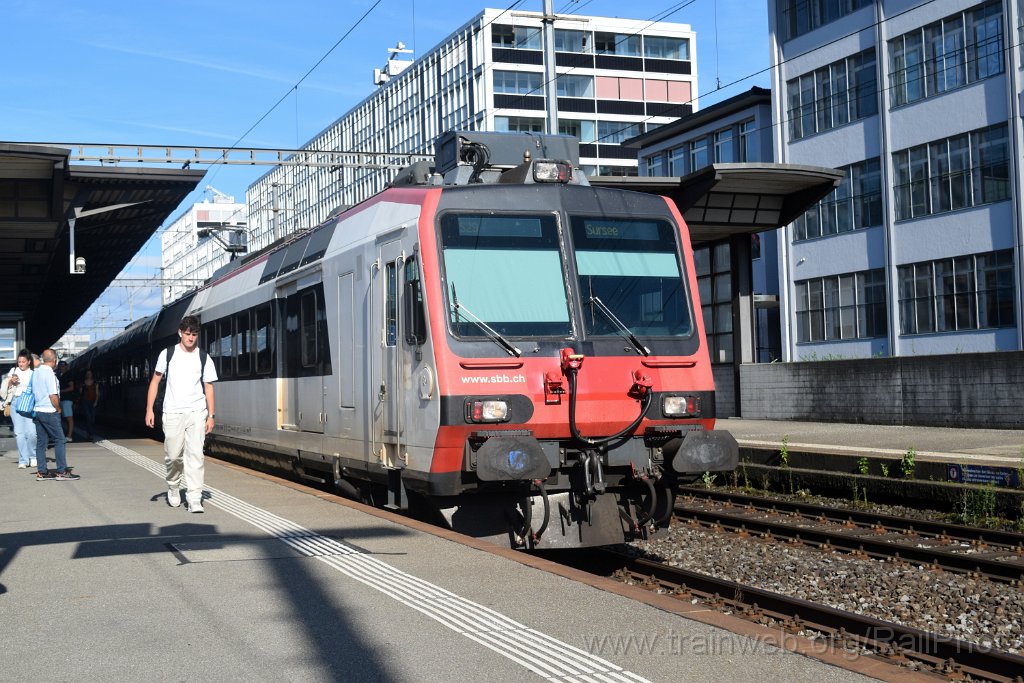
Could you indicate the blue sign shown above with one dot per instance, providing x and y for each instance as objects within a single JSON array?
[{"x": 983, "y": 474}]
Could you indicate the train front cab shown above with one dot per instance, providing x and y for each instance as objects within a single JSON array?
[{"x": 573, "y": 383}]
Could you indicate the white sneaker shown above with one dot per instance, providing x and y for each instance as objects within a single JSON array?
[
  {"x": 22, "y": 465},
  {"x": 196, "y": 506},
  {"x": 32, "y": 462},
  {"x": 173, "y": 497}
]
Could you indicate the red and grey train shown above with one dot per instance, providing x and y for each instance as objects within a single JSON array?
[{"x": 489, "y": 337}]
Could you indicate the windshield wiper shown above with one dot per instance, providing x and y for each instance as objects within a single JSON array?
[
  {"x": 625, "y": 331},
  {"x": 488, "y": 330}
]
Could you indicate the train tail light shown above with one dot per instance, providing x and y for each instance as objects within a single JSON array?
[
  {"x": 545, "y": 171},
  {"x": 680, "y": 406},
  {"x": 486, "y": 411}
]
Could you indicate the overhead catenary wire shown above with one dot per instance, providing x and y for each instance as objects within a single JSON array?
[{"x": 658, "y": 17}]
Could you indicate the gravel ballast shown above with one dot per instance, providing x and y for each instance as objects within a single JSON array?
[{"x": 953, "y": 605}]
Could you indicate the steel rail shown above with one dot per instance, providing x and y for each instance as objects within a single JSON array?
[
  {"x": 953, "y": 531},
  {"x": 941, "y": 654}
]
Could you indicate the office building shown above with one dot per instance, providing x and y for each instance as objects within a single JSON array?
[
  {"x": 193, "y": 245},
  {"x": 918, "y": 251},
  {"x": 616, "y": 78}
]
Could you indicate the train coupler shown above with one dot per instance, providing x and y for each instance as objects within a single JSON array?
[{"x": 593, "y": 472}]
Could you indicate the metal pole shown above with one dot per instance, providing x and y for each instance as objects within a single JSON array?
[{"x": 550, "y": 82}]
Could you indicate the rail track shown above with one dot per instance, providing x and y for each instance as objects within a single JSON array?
[
  {"x": 992, "y": 554},
  {"x": 843, "y": 632}
]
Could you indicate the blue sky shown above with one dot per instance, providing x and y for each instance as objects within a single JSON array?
[{"x": 202, "y": 73}]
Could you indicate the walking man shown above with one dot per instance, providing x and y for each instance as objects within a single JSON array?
[
  {"x": 187, "y": 411},
  {"x": 47, "y": 419}
]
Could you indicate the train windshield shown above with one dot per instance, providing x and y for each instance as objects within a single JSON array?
[
  {"x": 504, "y": 272},
  {"x": 630, "y": 268}
]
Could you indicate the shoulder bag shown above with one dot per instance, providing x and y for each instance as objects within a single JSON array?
[{"x": 25, "y": 404}]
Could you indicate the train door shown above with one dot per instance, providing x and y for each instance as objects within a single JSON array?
[
  {"x": 385, "y": 362},
  {"x": 302, "y": 391}
]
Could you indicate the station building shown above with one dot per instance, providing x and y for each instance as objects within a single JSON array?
[
  {"x": 736, "y": 130},
  {"x": 616, "y": 78},
  {"x": 918, "y": 250}
]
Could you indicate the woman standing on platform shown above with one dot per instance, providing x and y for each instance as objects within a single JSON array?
[
  {"x": 24, "y": 429},
  {"x": 90, "y": 397}
]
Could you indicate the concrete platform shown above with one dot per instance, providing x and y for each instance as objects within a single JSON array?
[
  {"x": 996, "y": 447},
  {"x": 101, "y": 580}
]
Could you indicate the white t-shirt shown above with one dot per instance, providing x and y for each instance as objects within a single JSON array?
[
  {"x": 184, "y": 392},
  {"x": 23, "y": 377}
]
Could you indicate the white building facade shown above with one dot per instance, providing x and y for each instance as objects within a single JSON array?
[
  {"x": 188, "y": 259},
  {"x": 616, "y": 78},
  {"x": 919, "y": 250}
]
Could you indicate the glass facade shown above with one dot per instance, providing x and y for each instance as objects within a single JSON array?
[
  {"x": 714, "y": 287},
  {"x": 855, "y": 204},
  {"x": 958, "y": 293},
  {"x": 834, "y": 95},
  {"x": 954, "y": 173},
  {"x": 948, "y": 54},
  {"x": 847, "y": 306},
  {"x": 797, "y": 17}
]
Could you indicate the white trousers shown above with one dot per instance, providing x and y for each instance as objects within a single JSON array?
[{"x": 184, "y": 435}]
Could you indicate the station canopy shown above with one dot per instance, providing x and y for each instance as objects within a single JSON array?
[
  {"x": 46, "y": 203},
  {"x": 723, "y": 200}
]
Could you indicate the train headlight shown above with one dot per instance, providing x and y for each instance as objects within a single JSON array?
[
  {"x": 486, "y": 411},
  {"x": 680, "y": 406},
  {"x": 545, "y": 171}
]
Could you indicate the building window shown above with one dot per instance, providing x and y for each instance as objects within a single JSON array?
[
  {"x": 518, "y": 82},
  {"x": 616, "y": 131},
  {"x": 656, "y": 165},
  {"x": 948, "y": 54},
  {"x": 623, "y": 45},
  {"x": 575, "y": 86},
  {"x": 584, "y": 130},
  {"x": 677, "y": 161},
  {"x": 855, "y": 204},
  {"x": 714, "y": 288},
  {"x": 698, "y": 154},
  {"x": 724, "y": 147},
  {"x": 656, "y": 47},
  {"x": 959, "y": 293},
  {"x": 848, "y": 306},
  {"x": 954, "y": 173},
  {"x": 518, "y": 124},
  {"x": 521, "y": 37},
  {"x": 797, "y": 17},
  {"x": 748, "y": 141},
  {"x": 833, "y": 95},
  {"x": 571, "y": 41},
  {"x": 618, "y": 171}
]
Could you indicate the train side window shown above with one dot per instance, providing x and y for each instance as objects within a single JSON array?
[
  {"x": 415, "y": 323},
  {"x": 307, "y": 328},
  {"x": 391, "y": 304},
  {"x": 264, "y": 340},
  {"x": 208, "y": 338},
  {"x": 225, "y": 350},
  {"x": 243, "y": 347}
]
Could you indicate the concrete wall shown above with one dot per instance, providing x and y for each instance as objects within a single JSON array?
[
  {"x": 976, "y": 390},
  {"x": 725, "y": 390}
]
